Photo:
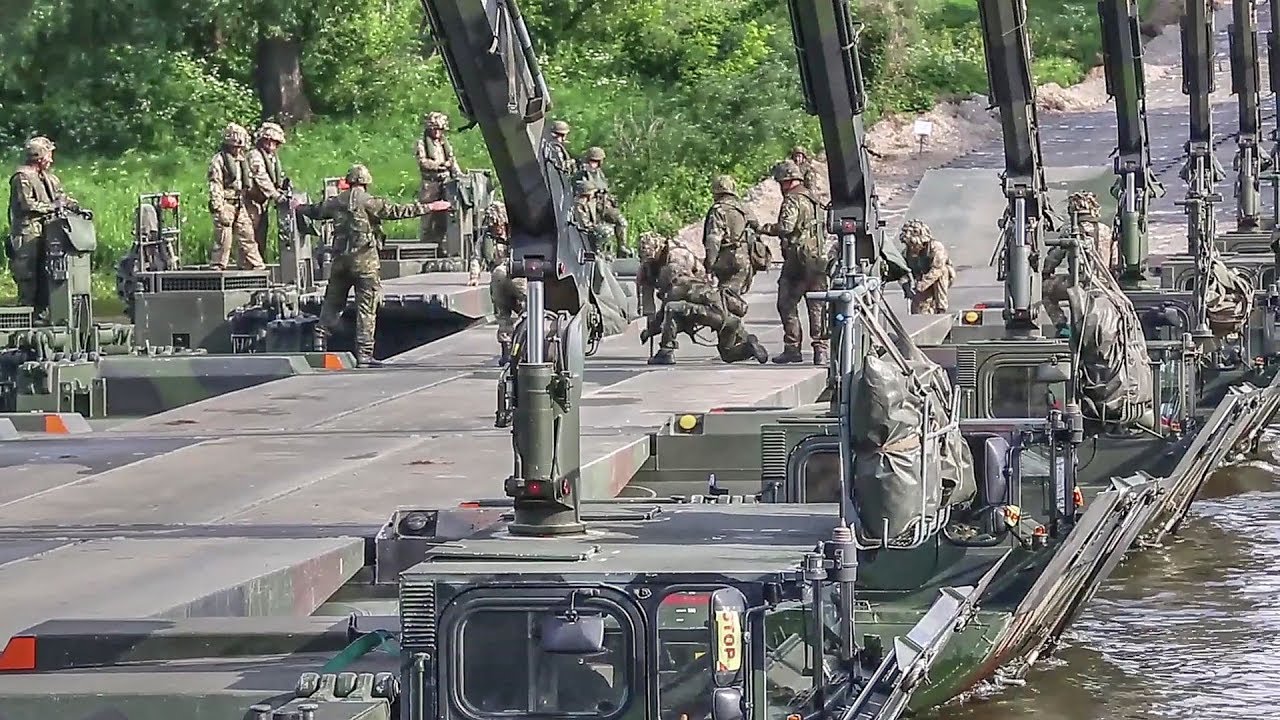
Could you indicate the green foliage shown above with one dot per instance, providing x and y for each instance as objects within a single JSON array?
[{"x": 136, "y": 92}]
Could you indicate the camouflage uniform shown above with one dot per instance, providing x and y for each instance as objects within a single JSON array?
[
  {"x": 1084, "y": 208},
  {"x": 557, "y": 150},
  {"x": 800, "y": 157},
  {"x": 35, "y": 193},
  {"x": 931, "y": 269},
  {"x": 804, "y": 265},
  {"x": 229, "y": 183},
  {"x": 593, "y": 202},
  {"x": 437, "y": 164},
  {"x": 724, "y": 236},
  {"x": 689, "y": 303},
  {"x": 509, "y": 294},
  {"x": 266, "y": 178},
  {"x": 357, "y": 235},
  {"x": 653, "y": 258}
]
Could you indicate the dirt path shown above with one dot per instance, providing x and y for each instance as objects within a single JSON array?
[{"x": 962, "y": 126}]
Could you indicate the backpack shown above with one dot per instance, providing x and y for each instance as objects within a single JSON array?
[{"x": 758, "y": 251}]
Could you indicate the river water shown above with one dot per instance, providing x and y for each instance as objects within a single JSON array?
[{"x": 1187, "y": 630}]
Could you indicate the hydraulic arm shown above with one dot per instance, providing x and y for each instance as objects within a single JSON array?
[
  {"x": 1028, "y": 215},
  {"x": 1136, "y": 185},
  {"x": 831, "y": 75},
  {"x": 1246, "y": 85},
  {"x": 491, "y": 63},
  {"x": 1202, "y": 171},
  {"x": 1273, "y": 66}
]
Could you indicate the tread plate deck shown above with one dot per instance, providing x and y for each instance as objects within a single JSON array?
[{"x": 165, "y": 516}]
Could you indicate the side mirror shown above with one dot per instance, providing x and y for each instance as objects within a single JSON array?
[
  {"x": 1051, "y": 372},
  {"x": 726, "y": 704},
  {"x": 572, "y": 633}
]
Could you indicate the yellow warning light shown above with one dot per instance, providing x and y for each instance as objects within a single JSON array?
[
  {"x": 687, "y": 422},
  {"x": 971, "y": 317}
]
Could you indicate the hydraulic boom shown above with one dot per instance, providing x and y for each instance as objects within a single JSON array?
[
  {"x": 1136, "y": 185},
  {"x": 1273, "y": 79},
  {"x": 1028, "y": 214},
  {"x": 1246, "y": 84},
  {"x": 490, "y": 61}
]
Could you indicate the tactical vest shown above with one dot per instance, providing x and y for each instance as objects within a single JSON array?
[
  {"x": 45, "y": 192},
  {"x": 353, "y": 229},
  {"x": 806, "y": 246},
  {"x": 272, "y": 162},
  {"x": 445, "y": 154},
  {"x": 235, "y": 172}
]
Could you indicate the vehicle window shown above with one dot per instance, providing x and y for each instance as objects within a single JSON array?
[
  {"x": 1014, "y": 393},
  {"x": 505, "y": 670},
  {"x": 821, "y": 477},
  {"x": 1170, "y": 390},
  {"x": 788, "y": 663},
  {"x": 685, "y": 683}
]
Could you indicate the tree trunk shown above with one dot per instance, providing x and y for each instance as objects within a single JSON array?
[{"x": 279, "y": 76}]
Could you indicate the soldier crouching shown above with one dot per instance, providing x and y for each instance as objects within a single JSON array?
[
  {"x": 931, "y": 269},
  {"x": 690, "y": 303}
]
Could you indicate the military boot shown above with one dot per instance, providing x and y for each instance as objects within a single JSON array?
[
  {"x": 504, "y": 357},
  {"x": 790, "y": 355},
  {"x": 757, "y": 349},
  {"x": 368, "y": 361},
  {"x": 820, "y": 356},
  {"x": 663, "y": 357}
]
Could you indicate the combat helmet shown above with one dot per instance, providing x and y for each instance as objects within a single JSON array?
[
  {"x": 234, "y": 135},
  {"x": 559, "y": 127},
  {"x": 435, "y": 121},
  {"x": 798, "y": 150},
  {"x": 595, "y": 154},
  {"x": 496, "y": 214},
  {"x": 39, "y": 148},
  {"x": 359, "y": 175},
  {"x": 915, "y": 232},
  {"x": 651, "y": 245},
  {"x": 270, "y": 131},
  {"x": 1085, "y": 203},
  {"x": 787, "y": 170},
  {"x": 724, "y": 185}
]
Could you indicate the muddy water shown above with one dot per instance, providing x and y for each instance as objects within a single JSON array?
[{"x": 1188, "y": 630}]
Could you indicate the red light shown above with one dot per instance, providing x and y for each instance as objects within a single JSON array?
[
  {"x": 533, "y": 488},
  {"x": 343, "y": 184},
  {"x": 715, "y": 410},
  {"x": 19, "y": 654},
  {"x": 168, "y": 202},
  {"x": 688, "y": 599},
  {"x": 469, "y": 505},
  {"x": 848, "y": 226},
  {"x": 979, "y": 306}
]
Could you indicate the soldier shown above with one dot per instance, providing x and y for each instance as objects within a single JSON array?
[
  {"x": 804, "y": 264},
  {"x": 653, "y": 257},
  {"x": 35, "y": 195},
  {"x": 931, "y": 269},
  {"x": 591, "y": 186},
  {"x": 1084, "y": 209},
  {"x": 229, "y": 183},
  {"x": 437, "y": 165},
  {"x": 558, "y": 149},
  {"x": 725, "y": 235},
  {"x": 509, "y": 294},
  {"x": 689, "y": 303},
  {"x": 266, "y": 180},
  {"x": 488, "y": 241},
  {"x": 800, "y": 157},
  {"x": 357, "y": 235}
]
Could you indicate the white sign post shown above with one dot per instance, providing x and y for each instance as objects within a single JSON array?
[{"x": 923, "y": 129}]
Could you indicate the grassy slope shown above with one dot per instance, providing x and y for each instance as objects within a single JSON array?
[{"x": 944, "y": 57}]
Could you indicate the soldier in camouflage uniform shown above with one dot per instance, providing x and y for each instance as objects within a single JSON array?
[
  {"x": 804, "y": 264},
  {"x": 591, "y": 188},
  {"x": 800, "y": 157},
  {"x": 931, "y": 270},
  {"x": 653, "y": 249},
  {"x": 266, "y": 178},
  {"x": 509, "y": 294},
  {"x": 1084, "y": 209},
  {"x": 229, "y": 185},
  {"x": 689, "y": 302},
  {"x": 557, "y": 150},
  {"x": 357, "y": 235},
  {"x": 35, "y": 195},
  {"x": 437, "y": 165},
  {"x": 725, "y": 236}
]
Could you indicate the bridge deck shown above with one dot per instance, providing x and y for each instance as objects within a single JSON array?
[
  {"x": 253, "y": 502},
  {"x": 436, "y": 290}
]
